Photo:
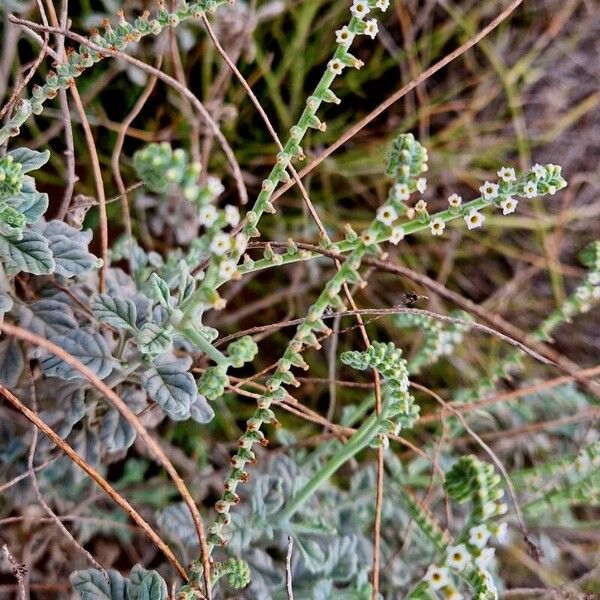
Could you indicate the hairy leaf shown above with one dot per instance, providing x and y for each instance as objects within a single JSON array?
[
  {"x": 32, "y": 205},
  {"x": 146, "y": 585},
  {"x": 91, "y": 585},
  {"x": 30, "y": 159},
  {"x": 153, "y": 339},
  {"x": 11, "y": 362},
  {"x": 87, "y": 346},
  {"x": 48, "y": 317},
  {"x": 117, "y": 312},
  {"x": 115, "y": 432},
  {"x": 31, "y": 254},
  {"x": 159, "y": 290}
]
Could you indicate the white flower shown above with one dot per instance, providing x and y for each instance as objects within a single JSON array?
[
  {"x": 454, "y": 201},
  {"x": 360, "y": 8},
  {"x": 474, "y": 219},
  {"x": 336, "y": 66},
  {"x": 386, "y": 214},
  {"x": 530, "y": 189},
  {"x": 232, "y": 215},
  {"x": 500, "y": 532},
  {"x": 458, "y": 557},
  {"x": 382, "y": 5},
  {"x": 451, "y": 593},
  {"x": 343, "y": 35},
  {"x": 479, "y": 536},
  {"x": 227, "y": 269},
  {"x": 371, "y": 28},
  {"x": 421, "y": 184},
  {"x": 582, "y": 293},
  {"x": 489, "y": 190},
  {"x": 401, "y": 192},
  {"x": 220, "y": 244},
  {"x": 421, "y": 206},
  {"x": 437, "y": 226},
  {"x": 240, "y": 242},
  {"x": 368, "y": 238},
  {"x": 436, "y": 577},
  {"x": 214, "y": 186},
  {"x": 190, "y": 192},
  {"x": 207, "y": 215},
  {"x": 485, "y": 558},
  {"x": 539, "y": 171},
  {"x": 594, "y": 278},
  {"x": 509, "y": 205},
  {"x": 397, "y": 235},
  {"x": 507, "y": 174},
  {"x": 488, "y": 509}
]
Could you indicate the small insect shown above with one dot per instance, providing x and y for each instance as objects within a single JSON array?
[{"x": 411, "y": 298}]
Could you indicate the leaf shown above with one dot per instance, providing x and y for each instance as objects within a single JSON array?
[
  {"x": 146, "y": 585},
  {"x": 87, "y": 346},
  {"x": 117, "y": 312},
  {"x": 153, "y": 339},
  {"x": 30, "y": 160},
  {"x": 91, "y": 585},
  {"x": 11, "y": 362},
  {"x": 48, "y": 317},
  {"x": 31, "y": 254},
  {"x": 159, "y": 290},
  {"x": 6, "y": 303},
  {"x": 177, "y": 522},
  {"x": 32, "y": 205},
  {"x": 115, "y": 432},
  {"x": 172, "y": 388},
  {"x": 201, "y": 411}
]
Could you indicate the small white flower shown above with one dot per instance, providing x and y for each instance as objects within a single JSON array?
[
  {"x": 240, "y": 242},
  {"x": 479, "y": 536},
  {"x": 227, "y": 269},
  {"x": 437, "y": 226},
  {"x": 401, "y": 192},
  {"x": 336, "y": 66},
  {"x": 596, "y": 293},
  {"x": 500, "y": 532},
  {"x": 368, "y": 238},
  {"x": 474, "y": 219},
  {"x": 343, "y": 35},
  {"x": 220, "y": 244},
  {"x": 458, "y": 557},
  {"x": 386, "y": 214},
  {"x": 485, "y": 559},
  {"x": 530, "y": 189},
  {"x": 583, "y": 293},
  {"x": 397, "y": 235},
  {"x": 371, "y": 28},
  {"x": 454, "y": 201},
  {"x": 539, "y": 171},
  {"x": 489, "y": 190},
  {"x": 207, "y": 215},
  {"x": 507, "y": 174},
  {"x": 360, "y": 8},
  {"x": 232, "y": 215},
  {"x": 489, "y": 509},
  {"x": 421, "y": 206},
  {"x": 436, "y": 577},
  {"x": 594, "y": 278},
  {"x": 451, "y": 593},
  {"x": 190, "y": 192},
  {"x": 509, "y": 205},
  {"x": 382, "y": 5},
  {"x": 214, "y": 186},
  {"x": 551, "y": 190},
  {"x": 421, "y": 184}
]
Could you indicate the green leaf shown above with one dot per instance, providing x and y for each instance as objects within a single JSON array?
[
  {"x": 171, "y": 386},
  {"x": 146, "y": 585},
  {"x": 92, "y": 585},
  {"x": 31, "y": 254},
  {"x": 159, "y": 290},
  {"x": 117, "y": 312},
  {"x": 87, "y": 346},
  {"x": 47, "y": 317},
  {"x": 30, "y": 159},
  {"x": 153, "y": 339},
  {"x": 32, "y": 205}
]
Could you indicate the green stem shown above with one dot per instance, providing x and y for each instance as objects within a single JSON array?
[
  {"x": 360, "y": 440},
  {"x": 203, "y": 344}
]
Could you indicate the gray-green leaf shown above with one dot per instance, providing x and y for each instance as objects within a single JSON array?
[
  {"x": 31, "y": 254},
  {"x": 32, "y": 205},
  {"x": 172, "y": 388},
  {"x": 159, "y": 290},
  {"x": 11, "y": 362},
  {"x": 87, "y": 346},
  {"x": 153, "y": 339},
  {"x": 47, "y": 317},
  {"x": 115, "y": 432},
  {"x": 117, "y": 312},
  {"x": 30, "y": 159},
  {"x": 146, "y": 585},
  {"x": 91, "y": 585}
]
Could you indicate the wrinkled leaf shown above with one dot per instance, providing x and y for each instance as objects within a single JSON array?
[
  {"x": 87, "y": 346},
  {"x": 115, "y": 432},
  {"x": 177, "y": 522},
  {"x": 172, "y": 388},
  {"x": 32, "y": 205},
  {"x": 48, "y": 317},
  {"x": 159, "y": 290},
  {"x": 201, "y": 411},
  {"x": 6, "y": 303},
  {"x": 30, "y": 160},
  {"x": 91, "y": 585},
  {"x": 11, "y": 362},
  {"x": 31, "y": 254},
  {"x": 146, "y": 585},
  {"x": 153, "y": 339},
  {"x": 117, "y": 312}
]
